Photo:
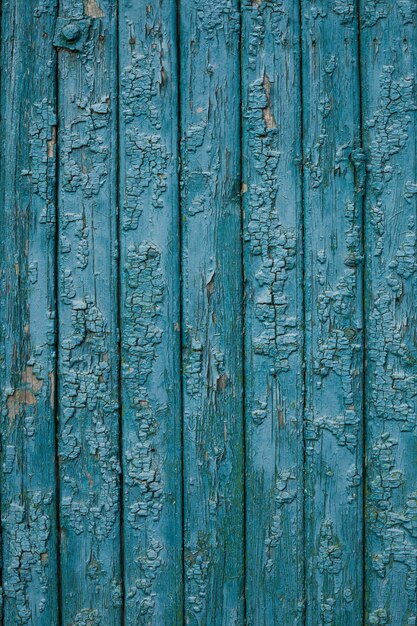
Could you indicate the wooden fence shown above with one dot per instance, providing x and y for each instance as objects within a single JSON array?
[{"x": 208, "y": 312}]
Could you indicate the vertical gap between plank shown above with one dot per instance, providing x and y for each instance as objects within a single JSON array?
[
  {"x": 56, "y": 339},
  {"x": 2, "y": 151},
  {"x": 180, "y": 295},
  {"x": 243, "y": 296},
  {"x": 364, "y": 309},
  {"x": 119, "y": 314},
  {"x": 303, "y": 314}
]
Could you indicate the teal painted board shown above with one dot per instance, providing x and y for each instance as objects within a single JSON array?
[
  {"x": 272, "y": 203},
  {"x": 207, "y": 313},
  {"x": 209, "y": 35},
  {"x": 333, "y": 182},
  {"x": 389, "y": 65},
  {"x": 150, "y": 313},
  {"x": 27, "y": 296},
  {"x": 89, "y": 464}
]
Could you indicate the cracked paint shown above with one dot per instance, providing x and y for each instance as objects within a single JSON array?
[
  {"x": 212, "y": 352},
  {"x": 271, "y": 195},
  {"x": 88, "y": 445},
  {"x": 334, "y": 184},
  {"x": 211, "y": 307},
  {"x": 150, "y": 344},
  {"x": 28, "y": 182},
  {"x": 390, "y": 116}
]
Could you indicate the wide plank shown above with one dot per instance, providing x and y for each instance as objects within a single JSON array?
[
  {"x": 273, "y": 253},
  {"x": 150, "y": 313},
  {"x": 389, "y": 66},
  {"x": 27, "y": 296},
  {"x": 211, "y": 312},
  {"x": 333, "y": 190},
  {"x": 89, "y": 464}
]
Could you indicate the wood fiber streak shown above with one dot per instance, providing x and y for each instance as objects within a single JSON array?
[
  {"x": 273, "y": 312},
  {"x": 212, "y": 312},
  {"x": 389, "y": 65},
  {"x": 150, "y": 313},
  {"x": 27, "y": 295},
  {"x": 208, "y": 354},
  {"x": 333, "y": 189},
  {"x": 89, "y": 465}
]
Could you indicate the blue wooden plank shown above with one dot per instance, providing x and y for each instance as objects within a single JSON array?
[
  {"x": 389, "y": 65},
  {"x": 333, "y": 184},
  {"x": 28, "y": 108},
  {"x": 272, "y": 181},
  {"x": 150, "y": 313},
  {"x": 212, "y": 311},
  {"x": 86, "y": 36}
]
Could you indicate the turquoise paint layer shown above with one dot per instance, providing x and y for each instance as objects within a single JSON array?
[
  {"x": 89, "y": 464},
  {"x": 213, "y": 452},
  {"x": 389, "y": 63},
  {"x": 333, "y": 185},
  {"x": 212, "y": 312},
  {"x": 271, "y": 190},
  {"x": 150, "y": 313},
  {"x": 28, "y": 190}
]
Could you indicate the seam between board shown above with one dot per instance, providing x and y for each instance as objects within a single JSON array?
[
  {"x": 243, "y": 304},
  {"x": 56, "y": 338},
  {"x": 364, "y": 377},
  {"x": 180, "y": 297},
  {"x": 119, "y": 314},
  {"x": 303, "y": 318},
  {"x": 3, "y": 323}
]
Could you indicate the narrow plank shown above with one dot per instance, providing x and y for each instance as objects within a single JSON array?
[
  {"x": 389, "y": 65},
  {"x": 272, "y": 185},
  {"x": 212, "y": 311},
  {"x": 28, "y": 111},
  {"x": 86, "y": 36},
  {"x": 333, "y": 189},
  {"x": 150, "y": 313}
]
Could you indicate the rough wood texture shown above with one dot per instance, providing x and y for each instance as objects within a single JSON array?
[
  {"x": 150, "y": 312},
  {"x": 212, "y": 312},
  {"x": 207, "y": 313},
  {"x": 273, "y": 321},
  {"x": 27, "y": 217},
  {"x": 333, "y": 181},
  {"x": 389, "y": 65},
  {"x": 88, "y": 357}
]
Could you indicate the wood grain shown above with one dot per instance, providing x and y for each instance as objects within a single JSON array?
[
  {"x": 89, "y": 464},
  {"x": 388, "y": 59},
  {"x": 27, "y": 217},
  {"x": 333, "y": 185},
  {"x": 212, "y": 312},
  {"x": 150, "y": 313},
  {"x": 207, "y": 312},
  {"x": 273, "y": 312}
]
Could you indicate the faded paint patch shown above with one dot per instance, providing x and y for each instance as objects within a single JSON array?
[
  {"x": 267, "y": 111},
  {"x": 93, "y": 9},
  {"x": 16, "y": 400},
  {"x": 51, "y": 143},
  {"x": 52, "y": 388},
  {"x": 30, "y": 378},
  {"x": 25, "y": 395}
]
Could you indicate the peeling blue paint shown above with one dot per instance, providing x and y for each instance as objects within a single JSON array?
[{"x": 207, "y": 313}]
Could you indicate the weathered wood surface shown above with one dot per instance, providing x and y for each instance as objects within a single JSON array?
[
  {"x": 27, "y": 217},
  {"x": 271, "y": 190},
  {"x": 88, "y": 446},
  {"x": 211, "y": 311},
  {"x": 389, "y": 65},
  {"x": 333, "y": 180},
  {"x": 150, "y": 313},
  {"x": 207, "y": 300}
]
